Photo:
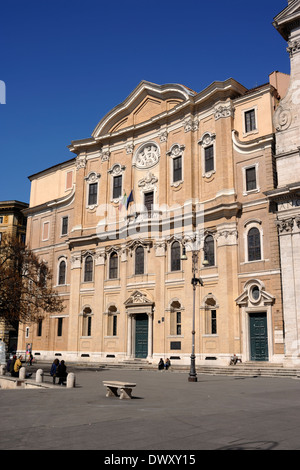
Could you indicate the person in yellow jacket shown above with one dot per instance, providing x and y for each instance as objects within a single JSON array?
[{"x": 17, "y": 366}]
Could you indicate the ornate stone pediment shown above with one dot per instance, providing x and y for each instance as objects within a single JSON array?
[
  {"x": 138, "y": 298},
  {"x": 255, "y": 295}
]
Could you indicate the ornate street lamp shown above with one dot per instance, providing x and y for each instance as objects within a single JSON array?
[{"x": 195, "y": 281}]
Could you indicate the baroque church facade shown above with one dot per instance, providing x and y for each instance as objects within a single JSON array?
[{"x": 171, "y": 182}]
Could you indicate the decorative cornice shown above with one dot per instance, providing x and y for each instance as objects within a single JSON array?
[
  {"x": 293, "y": 47},
  {"x": 223, "y": 111},
  {"x": 191, "y": 124}
]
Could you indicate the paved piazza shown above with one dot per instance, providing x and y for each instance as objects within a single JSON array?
[{"x": 167, "y": 413}]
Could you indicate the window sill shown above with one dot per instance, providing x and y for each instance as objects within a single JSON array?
[
  {"x": 252, "y": 191},
  {"x": 246, "y": 134}
]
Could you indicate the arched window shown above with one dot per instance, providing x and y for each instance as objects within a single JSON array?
[
  {"x": 139, "y": 260},
  {"x": 88, "y": 269},
  {"x": 62, "y": 273},
  {"x": 254, "y": 248},
  {"x": 209, "y": 250},
  {"x": 175, "y": 257},
  {"x": 87, "y": 322},
  {"x": 113, "y": 266}
]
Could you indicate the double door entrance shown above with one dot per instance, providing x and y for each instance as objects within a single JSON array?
[
  {"x": 258, "y": 337},
  {"x": 141, "y": 336}
]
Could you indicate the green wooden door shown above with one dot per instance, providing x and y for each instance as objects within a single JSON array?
[
  {"x": 141, "y": 336},
  {"x": 259, "y": 337}
]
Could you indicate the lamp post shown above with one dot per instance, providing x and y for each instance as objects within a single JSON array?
[{"x": 195, "y": 281}]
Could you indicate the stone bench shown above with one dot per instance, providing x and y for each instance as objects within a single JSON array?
[{"x": 124, "y": 387}]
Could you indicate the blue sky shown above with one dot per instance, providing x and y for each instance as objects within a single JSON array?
[{"x": 66, "y": 63}]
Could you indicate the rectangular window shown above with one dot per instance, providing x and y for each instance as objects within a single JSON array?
[
  {"x": 87, "y": 325},
  {"x": 213, "y": 322},
  {"x": 148, "y": 199},
  {"x": 209, "y": 158},
  {"x": 64, "y": 225},
  {"x": 1, "y": 220},
  {"x": 39, "y": 328},
  {"x": 59, "y": 326},
  {"x": 250, "y": 178},
  {"x": 250, "y": 124},
  {"x": 117, "y": 189},
  {"x": 93, "y": 194},
  {"x": 178, "y": 323},
  {"x": 115, "y": 320},
  {"x": 177, "y": 169}
]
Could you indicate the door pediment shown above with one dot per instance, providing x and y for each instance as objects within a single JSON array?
[
  {"x": 138, "y": 298},
  {"x": 254, "y": 295}
]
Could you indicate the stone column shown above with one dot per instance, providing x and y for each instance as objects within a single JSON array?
[{"x": 129, "y": 336}]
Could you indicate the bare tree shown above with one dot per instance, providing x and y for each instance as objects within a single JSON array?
[{"x": 26, "y": 292}]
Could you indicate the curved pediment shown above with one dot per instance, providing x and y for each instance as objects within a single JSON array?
[{"x": 145, "y": 102}]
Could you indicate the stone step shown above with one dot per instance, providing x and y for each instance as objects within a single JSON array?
[{"x": 245, "y": 370}]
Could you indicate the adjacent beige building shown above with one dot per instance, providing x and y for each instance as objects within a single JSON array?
[
  {"x": 12, "y": 224},
  {"x": 169, "y": 170},
  {"x": 286, "y": 196}
]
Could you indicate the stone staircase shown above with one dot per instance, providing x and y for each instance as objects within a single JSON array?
[{"x": 249, "y": 369}]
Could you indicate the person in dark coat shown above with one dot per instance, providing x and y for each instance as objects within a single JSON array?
[
  {"x": 61, "y": 373},
  {"x": 53, "y": 370}
]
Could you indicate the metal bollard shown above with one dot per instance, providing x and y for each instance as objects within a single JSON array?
[
  {"x": 71, "y": 380},
  {"x": 39, "y": 376}
]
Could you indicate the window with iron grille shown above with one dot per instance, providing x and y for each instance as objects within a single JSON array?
[{"x": 213, "y": 322}]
